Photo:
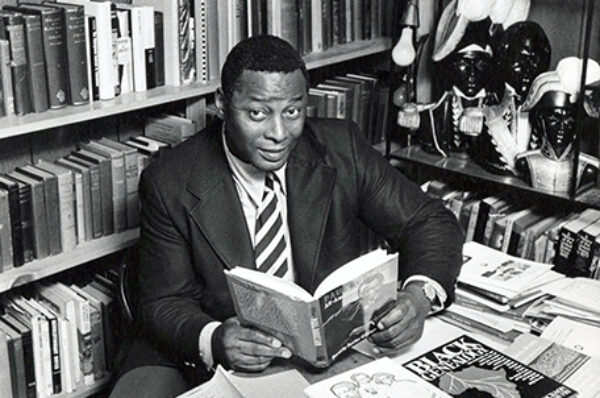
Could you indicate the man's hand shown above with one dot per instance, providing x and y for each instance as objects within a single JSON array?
[
  {"x": 245, "y": 349},
  {"x": 403, "y": 325}
]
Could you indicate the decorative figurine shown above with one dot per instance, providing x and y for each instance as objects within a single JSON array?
[
  {"x": 551, "y": 104},
  {"x": 522, "y": 54}
]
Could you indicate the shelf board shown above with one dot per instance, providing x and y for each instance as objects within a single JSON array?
[
  {"x": 11, "y": 126},
  {"x": 84, "y": 252},
  {"x": 469, "y": 168}
]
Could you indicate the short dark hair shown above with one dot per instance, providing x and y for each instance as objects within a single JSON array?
[{"x": 263, "y": 53}]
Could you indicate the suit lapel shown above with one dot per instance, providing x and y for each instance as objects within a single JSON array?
[
  {"x": 310, "y": 183},
  {"x": 218, "y": 212}
]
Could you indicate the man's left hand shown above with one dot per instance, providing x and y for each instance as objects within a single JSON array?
[{"x": 403, "y": 325}]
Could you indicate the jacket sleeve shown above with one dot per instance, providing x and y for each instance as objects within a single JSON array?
[
  {"x": 169, "y": 292},
  {"x": 426, "y": 234}
]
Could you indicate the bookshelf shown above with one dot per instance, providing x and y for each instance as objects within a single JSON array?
[
  {"x": 87, "y": 251},
  {"x": 86, "y": 391},
  {"x": 12, "y": 126}
]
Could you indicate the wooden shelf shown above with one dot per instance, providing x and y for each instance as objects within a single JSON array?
[
  {"x": 12, "y": 126},
  {"x": 468, "y": 168},
  {"x": 84, "y": 252}
]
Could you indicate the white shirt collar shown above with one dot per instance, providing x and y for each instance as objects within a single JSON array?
[{"x": 251, "y": 178}]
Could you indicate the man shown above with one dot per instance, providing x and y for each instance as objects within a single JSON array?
[{"x": 207, "y": 204}]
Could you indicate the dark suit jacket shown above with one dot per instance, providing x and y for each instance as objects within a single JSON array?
[{"x": 192, "y": 225}]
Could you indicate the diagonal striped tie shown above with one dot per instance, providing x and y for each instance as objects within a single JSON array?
[{"x": 270, "y": 252}]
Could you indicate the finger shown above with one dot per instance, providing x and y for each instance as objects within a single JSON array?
[
  {"x": 407, "y": 336},
  {"x": 249, "y": 364},
  {"x": 401, "y": 313},
  {"x": 261, "y": 350},
  {"x": 256, "y": 336}
]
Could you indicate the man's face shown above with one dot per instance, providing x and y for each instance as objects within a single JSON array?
[
  {"x": 522, "y": 65},
  {"x": 265, "y": 116},
  {"x": 470, "y": 71}
]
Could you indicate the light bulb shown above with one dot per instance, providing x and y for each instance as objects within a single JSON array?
[
  {"x": 403, "y": 53},
  {"x": 400, "y": 96}
]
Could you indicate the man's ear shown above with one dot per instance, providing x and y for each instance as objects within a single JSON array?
[{"x": 221, "y": 103}]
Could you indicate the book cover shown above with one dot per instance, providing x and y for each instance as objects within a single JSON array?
[
  {"x": 94, "y": 192},
  {"x": 316, "y": 20},
  {"x": 101, "y": 44},
  {"x": 110, "y": 322},
  {"x": 353, "y": 98},
  {"x": 105, "y": 191},
  {"x": 14, "y": 206},
  {"x": 77, "y": 48},
  {"x": 318, "y": 327},
  {"x": 383, "y": 377},
  {"x": 345, "y": 102},
  {"x": 8, "y": 98},
  {"x": 141, "y": 24},
  {"x": 6, "y": 250},
  {"x": 304, "y": 27},
  {"x": 372, "y": 83},
  {"x": 467, "y": 368},
  {"x": 85, "y": 199},
  {"x": 583, "y": 249},
  {"x": 118, "y": 188},
  {"x": 28, "y": 359},
  {"x": 5, "y": 364},
  {"x": 66, "y": 203},
  {"x": 55, "y": 52},
  {"x": 39, "y": 220},
  {"x": 36, "y": 64},
  {"x": 131, "y": 178},
  {"x": 14, "y": 25},
  {"x": 50, "y": 182},
  {"x": 517, "y": 237},
  {"x": 24, "y": 192}
]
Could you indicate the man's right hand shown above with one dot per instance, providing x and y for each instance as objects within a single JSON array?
[{"x": 245, "y": 349}]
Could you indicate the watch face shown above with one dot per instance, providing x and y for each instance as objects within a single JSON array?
[{"x": 429, "y": 292}]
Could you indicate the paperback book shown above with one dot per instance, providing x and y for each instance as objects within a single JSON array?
[{"x": 318, "y": 327}]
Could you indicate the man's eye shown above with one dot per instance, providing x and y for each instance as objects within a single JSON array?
[
  {"x": 292, "y": 112},
  {"x": 257, "y": 115}
]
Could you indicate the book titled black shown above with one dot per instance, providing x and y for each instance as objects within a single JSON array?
[
  {"x": 15, "y": 219},
  {"x": 74, "y": 19},
  {"x": 14, "y": 24},
  {"x": 55, "y": 51},
  {"x": 465, "y": 368}
]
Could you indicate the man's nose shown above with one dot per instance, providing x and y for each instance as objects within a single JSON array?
[{"x": 278, "y": 129}]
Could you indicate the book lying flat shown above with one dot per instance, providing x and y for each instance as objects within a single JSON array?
[
  {"x": 318, "y": 327},
  {"x": 464, "y": 367}
]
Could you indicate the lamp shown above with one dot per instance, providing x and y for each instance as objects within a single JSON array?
[{"x": 404, "y": 53}]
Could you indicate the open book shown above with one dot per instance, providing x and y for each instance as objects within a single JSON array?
[{"x": 319, "y": 327}]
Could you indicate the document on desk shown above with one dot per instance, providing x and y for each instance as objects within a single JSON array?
[
  {"x": 575, "y": 335},
  {"x": 572, "y": 368},
  {"x": 289, "y": 384},
  {"x": 580, "y": 292}
]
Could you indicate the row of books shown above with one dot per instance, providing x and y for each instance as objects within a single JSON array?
[
  {"x": 360, "y": 97},
  {"x": 48, "y": 208},
  {"x": 57, "y": 340},
  {"x": 569, "y": 240}
]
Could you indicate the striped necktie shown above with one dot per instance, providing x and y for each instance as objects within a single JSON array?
[{"x": 270, "y": 251}]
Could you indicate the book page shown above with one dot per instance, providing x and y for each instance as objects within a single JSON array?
[
  {"x": 218, "y": 386},
  {"x": 383, "y": 378},
  {"x": 575, "y": 335},
  {"x": 581, "y": 292},
  {"x": 377, "y": 259}
]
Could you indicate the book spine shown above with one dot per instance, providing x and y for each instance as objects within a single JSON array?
[
  {"x": 136, "y": 24},
  {"x": 316, "y": 26},
  {"x": 318, "y": 335},
  {"x": 96, "y": 202},
  {"x": 289, "y": 22},
  {"x": 201, "y": 47},
  {"x": 41, "y": 243},
  {"x": 187, "y": 58},
  {"x": 108, "y": 225},
  {"x": 68, "y": 231},
  {"x": 7, "y": 379},
  {"x": 357, "y": 19},
  {"x": 55, "y": 51},
  {"x": 16, "y": 227},
  {"x": 55, "y": 356},
  {"x": 67, "y": 378},
  {"x": 18, "y": 56},
  {"x": 19, "y": 365},
  {"x": 149, "y": 47},
  {"x": 125, "y": 53},
  {"x": 97, "y": 338},
  {"x": 119, "y": 193},
  {"x": 79, "y": 90},
  {"x": 580, "y": 266},
  {"x": 595, "y": 259},
  {"x": 53, "y": 215},
  {"x": 85, "y": 341},
  {"x": 94, "y": 61},
  {"x": 327, "y": 32},
  {"x": 87, "y": 205},
  {"x": 114, "y": 39},
  {"x": 212, "y": 34},
  {"x": 36, "y": 64},
  {"x": 565, "y": 246},
  {"x": 304, "y": 33},
  {"x": 336, "y": 22},
  {"x": 6, "y": 249},
  {"x": 29, "y": 363},
  {"x": 8, "y": 97},
  {"x": 79, "y": 206},
  {"x": 41, "y": 354},
  {"x": 159, "y": 49},
  {"x": 131, "y": 181}
]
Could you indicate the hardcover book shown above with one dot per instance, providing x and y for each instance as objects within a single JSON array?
[
  {"x": 16, "y": 232},
  {"x": 6, "y": 250},
  {"x": 318, "y": 327},
  {"x": 567, "y": 240},
  {"x": 28, "y": 361},
  {"x": 83, "y": 196},
  {"x": 464, "y": 367},
  {"x": 16, "y": 361},
  {"x": 8, "y": 98},
  {"x": 95, "y": 193},
  {"x": 55, "y": 51},
  {"x": 26, "y": 220}
]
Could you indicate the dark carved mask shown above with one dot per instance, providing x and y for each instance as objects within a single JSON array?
[
  {"x": 469, "y": 71},
  {"x": 556, "y": 124}
]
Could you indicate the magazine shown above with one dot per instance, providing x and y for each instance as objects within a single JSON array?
[
  {"x": 464, "y": 367},
  {"x": 343, "y": 310}
]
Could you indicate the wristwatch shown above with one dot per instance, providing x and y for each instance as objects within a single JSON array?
[{"x": 428, "y": 291}]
